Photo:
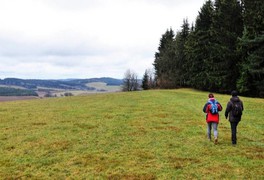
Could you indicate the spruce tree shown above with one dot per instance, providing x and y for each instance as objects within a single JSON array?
[
  {"x": 198, "y": 48},
  {"x": 145, "y": 81},
  {"x": 184, "y": 37},
  {"x": 251, "y": 48},
  {"x": 164, "y": 59},
  {"x": 180, "y": 65},
  {"x": 227, "y": 26}
]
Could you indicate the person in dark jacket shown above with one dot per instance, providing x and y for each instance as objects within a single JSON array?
[
  {"x": 212, "y": 119},
  {"x": 233, "y": 119}
]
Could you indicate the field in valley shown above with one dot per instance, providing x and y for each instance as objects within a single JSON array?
[
  {"x": 157, "y": 134},
  {"x": 16, "y": 98}
]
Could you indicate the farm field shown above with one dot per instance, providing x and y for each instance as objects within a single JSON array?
[
  {"x": 99, "y": 87},
  {"x": 104, "y": 87},
  {"x": 16, "y": 98},
  {"x": 157, "y": 134}
]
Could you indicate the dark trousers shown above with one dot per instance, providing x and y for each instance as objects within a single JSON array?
[{"x": 234, "y": 131}]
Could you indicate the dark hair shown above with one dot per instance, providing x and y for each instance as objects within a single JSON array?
[
  {"x": 210, "y": 95},
  {"x": 234, "y": 93}
]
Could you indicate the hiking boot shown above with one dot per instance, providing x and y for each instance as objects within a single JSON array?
[{"x": 215, "y": 140}]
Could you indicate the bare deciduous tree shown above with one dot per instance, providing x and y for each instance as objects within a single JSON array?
[{"x": 130, "y": 81}]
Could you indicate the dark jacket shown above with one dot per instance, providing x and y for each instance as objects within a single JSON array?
[
  {"x": 209, "y": 116},
  {"x": 228, "y": 111}
]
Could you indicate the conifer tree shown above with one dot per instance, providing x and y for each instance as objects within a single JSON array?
[
  {"x": 148, "y": 80},
  {"x": 227, "y": 26},
  {"x": 145, "y": 81},
  {"x": 180, "y": 69},
  {"x": 198, "y": 48},
  {"x": 251, "y": 81},
  {"x": 222, "y": 52},
  {"x": 164, "y": 59}
]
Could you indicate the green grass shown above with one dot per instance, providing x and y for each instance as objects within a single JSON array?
[{"x": 158, "y": 134}]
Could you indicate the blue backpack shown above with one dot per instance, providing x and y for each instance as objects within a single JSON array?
[{"x": 214, "y": 107}]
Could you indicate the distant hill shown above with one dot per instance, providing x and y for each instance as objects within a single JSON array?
[
  {"x": 77, "y": 84},
  {"x": 51, "y": 85}
]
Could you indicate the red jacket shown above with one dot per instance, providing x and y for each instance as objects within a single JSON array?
[{"x": 209, "y": 116}]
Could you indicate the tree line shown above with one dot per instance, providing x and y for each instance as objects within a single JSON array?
[
  {"x": 221, "y": 52},
  {"x": 6, "y": 91}
]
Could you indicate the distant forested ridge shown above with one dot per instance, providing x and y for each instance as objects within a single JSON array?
[
  {"x": 6, "y": 91},
  {"x": 223, "y": 51},
  {"x": 69, "y": 84}
]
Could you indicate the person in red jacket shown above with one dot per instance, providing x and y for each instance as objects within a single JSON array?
[{"x": 212, "y": 108}]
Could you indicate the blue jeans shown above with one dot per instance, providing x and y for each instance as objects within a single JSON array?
[{"x": 209, "y": 127}]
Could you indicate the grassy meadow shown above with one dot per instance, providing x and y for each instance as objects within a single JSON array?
[{"x": 158, "y": 134}]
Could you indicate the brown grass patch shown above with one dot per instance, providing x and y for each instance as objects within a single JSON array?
[
  {"x": 108, "y": 116},
  {"x": 39, "y": 124},
  {"x": 59, "y": 145},
  {"x": 254, "y": 153},
  {"x": 218, "y": 169},
  {"x": 179, "y": 163},
  {"x": 166, "y": 122},
  {"x": 144, "y": 155},
  {"x": 161, "y": 115},
  {"x": 85, "y": 126},
  {"x": 132, "y": 177},
  {"x": 97, "y": 163},
  {"x": 168, "y": 128},
  {"x": 139, "y": 132}
]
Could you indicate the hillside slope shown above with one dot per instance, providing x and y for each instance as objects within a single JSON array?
[
  {"x": 138, "y": 135},
  {"x": 37, "y": 87},
  {"x": 79, "y": 84}
]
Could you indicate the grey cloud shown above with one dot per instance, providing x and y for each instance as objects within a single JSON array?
[
  {"x": 83, "y": 41},
  {"x": 73, "y": 5},
  {"x": 15, "y": 48}
]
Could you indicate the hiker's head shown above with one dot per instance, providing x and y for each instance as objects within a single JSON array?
[
  {"x": 234, "y": 93},
  {"x": 211, "y": 95}
]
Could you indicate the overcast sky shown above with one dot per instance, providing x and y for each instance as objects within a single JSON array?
[{"x": 59, "y": 39}]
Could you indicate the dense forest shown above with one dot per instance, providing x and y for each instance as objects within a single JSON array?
[{"x": 221, "y": 52}]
